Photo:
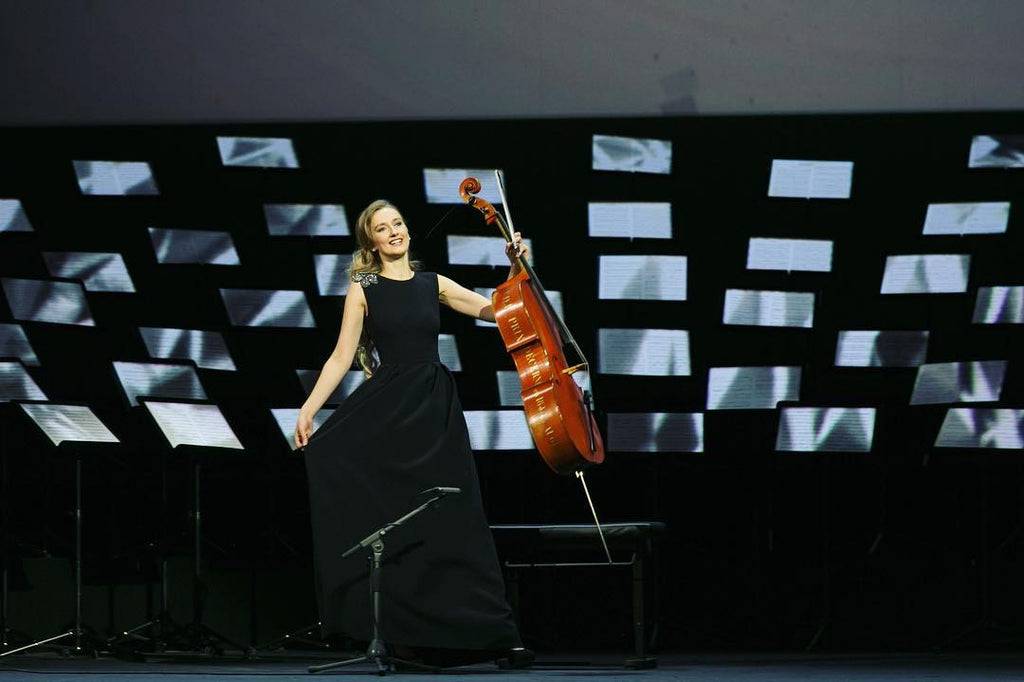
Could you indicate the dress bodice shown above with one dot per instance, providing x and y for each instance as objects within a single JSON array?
[{"x": 403, "y": 316}]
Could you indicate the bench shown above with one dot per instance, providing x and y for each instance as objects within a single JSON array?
[{"x": 526, "y": 546}]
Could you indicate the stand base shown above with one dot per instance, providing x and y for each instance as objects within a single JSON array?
[
  {"x": 82, "y": 642},
  {"x": 170, "y": 636},
  {"x": 384, "y": 664},
  {"x": 302, "y": 636},
  {"x": 376, "y": 653}
]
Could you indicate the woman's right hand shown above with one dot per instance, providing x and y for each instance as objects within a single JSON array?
[{"x": 303, "y": 429}]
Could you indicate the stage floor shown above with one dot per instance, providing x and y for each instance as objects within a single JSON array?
[{"x": 44, "y": 667}]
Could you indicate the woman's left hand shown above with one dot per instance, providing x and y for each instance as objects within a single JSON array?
[{"x": 516, "y": 247}]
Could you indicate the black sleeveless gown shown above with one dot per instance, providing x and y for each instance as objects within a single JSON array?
[{"x": 401, "y": 432}]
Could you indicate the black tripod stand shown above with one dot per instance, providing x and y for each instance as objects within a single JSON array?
[
  {"x": 185, "y": 436},
  {"x": 377, "y": 651},
  {"x": 78, "y": 427},
  {"x": 196, "y": 635}
]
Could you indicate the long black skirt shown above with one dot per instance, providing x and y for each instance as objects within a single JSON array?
[{"x": 401, "y": 432}]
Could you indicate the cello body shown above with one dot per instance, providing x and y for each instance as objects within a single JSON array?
[
  {"x": 557, "y": 410},
  {"x": 560, "y": 421}
]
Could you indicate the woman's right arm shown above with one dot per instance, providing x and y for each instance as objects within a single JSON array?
[{"x": 337, "y": 364}]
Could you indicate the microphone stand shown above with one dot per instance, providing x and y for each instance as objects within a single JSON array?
[{"x": 377, "y": 651}]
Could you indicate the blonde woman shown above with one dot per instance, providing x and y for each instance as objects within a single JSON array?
[{"x": 402, "y": 431}]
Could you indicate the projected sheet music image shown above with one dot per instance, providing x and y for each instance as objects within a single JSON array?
[
  {"x": 17, "y": 384},
  {"x": 656, "y": 432},
  {"x": 13, "y": 217},
  {"x": 997, "y": 151},
  {"x": 47, "y": 301}
]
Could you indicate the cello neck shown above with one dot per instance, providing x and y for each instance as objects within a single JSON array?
[{"x": 468, "y": 189}]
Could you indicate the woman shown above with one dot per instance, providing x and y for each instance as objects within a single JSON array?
[{"x": 401, "y": 432}]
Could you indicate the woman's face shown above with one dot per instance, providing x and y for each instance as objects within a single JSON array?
[{"x": 389, "y": 234}]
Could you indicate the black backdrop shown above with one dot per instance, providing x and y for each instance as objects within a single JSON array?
[{"x": 893, "y": 549}]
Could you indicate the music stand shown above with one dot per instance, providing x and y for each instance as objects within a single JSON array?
[
  {"x": 377, "y": 650},
  {"x": 66, "y": 424},
  {"x": 192, "y": 426}
]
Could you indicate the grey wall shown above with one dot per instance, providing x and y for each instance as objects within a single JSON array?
[{"x": 116, "y": 61}]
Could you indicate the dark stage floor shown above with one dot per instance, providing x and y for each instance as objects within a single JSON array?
[{"x": 43, "y": 667}]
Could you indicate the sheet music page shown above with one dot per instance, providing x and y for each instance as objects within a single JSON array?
[
  {"x": 69, "y": 422},
  {"x": 960, "y": 219},
  {"x": 188, "y": 424},
  {"x": 653, "y": 278},
  {"x": 631, "y": 220},
  {"x": 811, "y": 255},
  {"x": 810, "y": 179},
  {"x": 17, "y": 384}
]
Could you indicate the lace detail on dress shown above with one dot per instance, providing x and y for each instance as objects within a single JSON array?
[{"x": 365, "y": 279}]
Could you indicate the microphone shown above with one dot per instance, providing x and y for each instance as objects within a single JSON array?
[{"x": 441, "y": 490}]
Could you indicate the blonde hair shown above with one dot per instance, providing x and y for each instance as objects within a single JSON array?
[{"x": 366, "y": 260}]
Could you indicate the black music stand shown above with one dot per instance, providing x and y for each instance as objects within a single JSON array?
[
  {"x": 79, "y": 427},
  {"x": 189, "y": 427},
  {"x": 377, "y": 651},
  {"x": 164, "y": 626}
]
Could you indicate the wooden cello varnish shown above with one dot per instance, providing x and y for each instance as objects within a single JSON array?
[{"x": 557, "y": 412}]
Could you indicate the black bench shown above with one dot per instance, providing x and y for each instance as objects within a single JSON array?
[{"x": 526, "y": 546}]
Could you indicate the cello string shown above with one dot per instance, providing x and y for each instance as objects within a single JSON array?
[{"x": 509, "y": 230}]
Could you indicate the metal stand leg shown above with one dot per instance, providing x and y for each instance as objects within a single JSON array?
[
  {"x": 162, "y": 625},
  {"x": 203, "y": 637},
  {"x": 303, "y": 635},
  {"x": 377, "y": 652},
  {"x": 76, "y": 632}
]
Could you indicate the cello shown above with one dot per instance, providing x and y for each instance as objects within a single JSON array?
[{"x": 558, "y": 412}]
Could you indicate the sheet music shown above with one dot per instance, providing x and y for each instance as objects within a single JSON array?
[
  {"x": 809, "y": 255},
  {"x": 810, "y": 179},
  {"x": 643, "y": 352},
  {"x": 631, "y": 154},
  {"x": 989, "y": 217},
  {"x": 17, "y": 384},
  {"x": 652, "y": 220},
  {"x": 192, "y": 424},
  {"x": 656, "y": 432},
  {"x": 968, "y": 427},
  {"x": 69, "y": 423},
  {"x": 651, "y": 278},
  {"x": 769, "y": 308}
]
